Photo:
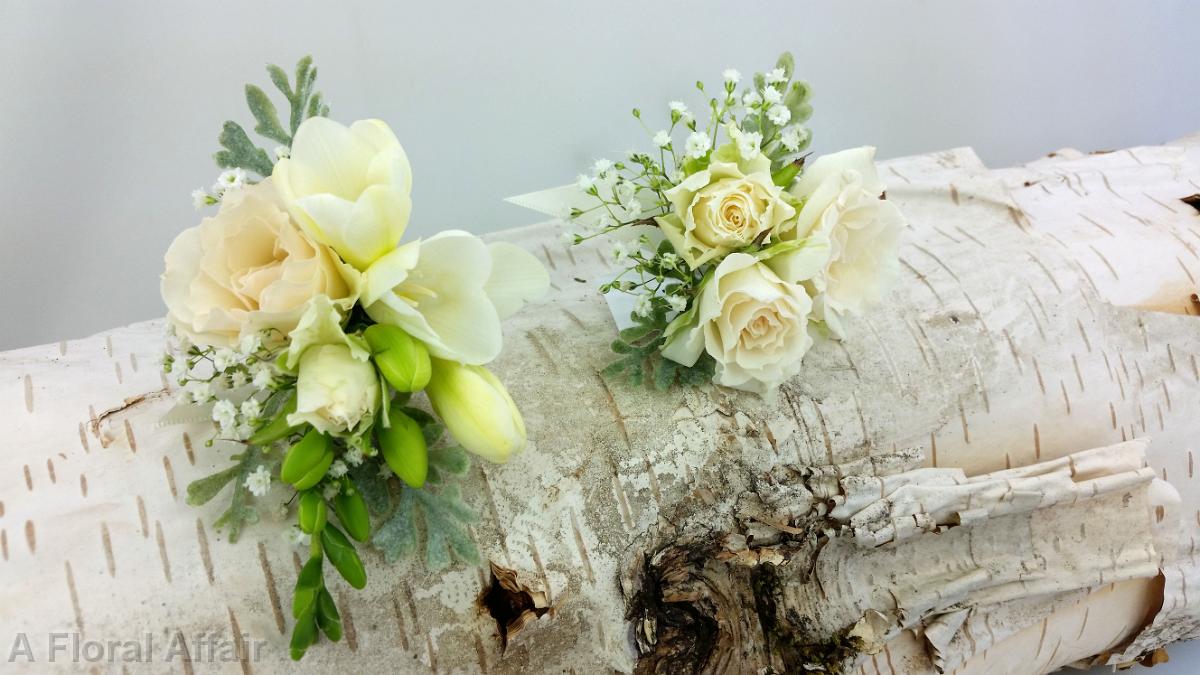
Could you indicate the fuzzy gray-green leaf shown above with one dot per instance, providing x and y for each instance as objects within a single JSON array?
[
  {"x": 267, "y": 117},
  {"x": 240, "y": 152}
]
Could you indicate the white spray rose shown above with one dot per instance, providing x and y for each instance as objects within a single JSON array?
[
  {"x": 348, "y": 187},
  {"x": 246, "y": 269},
  {"x": 451, "y": 291},
  {"x": 335, "y": 391},
  {"x": 844, "y": 210},
  {"x": 731, "y": 204},
  {"x": 752, "y": 322}
]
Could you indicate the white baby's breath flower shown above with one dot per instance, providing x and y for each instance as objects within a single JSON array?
[
  {"x": 224, "y": 413},
  {"x": 620, "y": 251},
  {"x": 793, "y": 137},
  {"x": 624, "y": 191},
  {"x": 605, "y": 222},
  {"x": 643, "y": 305},
  {"x": 251, "y": 409},
  {"x": 748, "y": 144},
  {"x": 669, "y": 260},
  {"x": 633, "y": 209},
  {"x": 775, "y": 76},
  {"x": 263, "y": 376},
  {"x": 282, "y": 152},
  {"x": 752, "y": 99},
  {"x": 338, "y": 469},
  {"x": 243, "y": 430},
  {"x": 732, "y": 76},
  {"x": 200, "y": 198},
  {"x": 330, "y": 489},
  {"x": 678, "y": 303},
  {"x": 385, "y": 471},
  {"x": 249, "y": 344},
  {"x": 259, "y": 481},
  {"x": 200, "y": 392},
  {"x": 779, "y": 114},
  {"x": 224, "y": 358},
  {"x": 601, "y": 167},
  {"x": 679, "y": 107},
  {"x": 238, "y": 378},
  {"x": 698, "y": 144},
  {"x": 661, "y": 139},
  {"x": 179, "y": 370},
  {"x": 585, "y": 183},
  {"x": 771, "y": 95},
  {"x": 295, "y": 536},
  {"x": 353, "y": 456},
  {"x": 231, "y": 179}
]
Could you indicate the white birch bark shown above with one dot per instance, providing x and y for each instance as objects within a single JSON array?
[{"x": 992, "y": 474}]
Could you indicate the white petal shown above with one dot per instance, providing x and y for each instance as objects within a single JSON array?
[
  {"x": 387, "y": 272},
  {"x": 328, "y": 157},
  {"x": 517, "y": 278},
  {"x": 860, "y": 159}
]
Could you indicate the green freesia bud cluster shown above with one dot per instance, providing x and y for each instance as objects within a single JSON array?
[{"x": 341, "y": 366}]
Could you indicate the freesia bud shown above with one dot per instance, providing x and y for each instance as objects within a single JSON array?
[
  {"x": 403, "y": 447},
  {"x": 403, "y": 360},
  {"x": 477, "y": 410}
]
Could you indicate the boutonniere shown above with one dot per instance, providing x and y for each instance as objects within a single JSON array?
[
  {"x": 348, "y": 364},
  {"x": 737, "y": 248}
]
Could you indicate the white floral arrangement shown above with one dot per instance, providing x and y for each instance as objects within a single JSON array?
[
  {"x": 307, "y": 330},
  {"x": 737, "y": 249}
]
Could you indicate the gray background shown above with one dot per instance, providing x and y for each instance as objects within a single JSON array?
[{"x": 109, "y": 111}]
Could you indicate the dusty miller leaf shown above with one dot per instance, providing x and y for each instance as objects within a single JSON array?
[
  {"x": 241, "y": 512},
  {"x": 240, "y": 152},
  {"x": 438, "y": 519}
]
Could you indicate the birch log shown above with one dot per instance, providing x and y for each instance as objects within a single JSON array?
[{"x": 994, "y": 473}]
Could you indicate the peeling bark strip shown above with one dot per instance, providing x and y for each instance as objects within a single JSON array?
[{"x": 706, "y": 530}]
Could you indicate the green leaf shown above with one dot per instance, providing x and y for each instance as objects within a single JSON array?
[
  {"x": 304, "y": 635},
  {"x": 373, "y": 487},
  {"x": 442, "y": 517},
  {"x": 265, "y": 114},
  {"x": 240, "y": 152},
  {"x": 241, "y": 512},
  {"x": 308, "y": 584},
  {"x": 787, "y": 62},
  {"x": 343, "y": 557},
  {"x": 202, "y": 490},
  {"x": 328, "y": 618}
]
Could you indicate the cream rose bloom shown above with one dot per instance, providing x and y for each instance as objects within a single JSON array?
[
  {"x": 729, "y": 205},
  {"x": 752, "y": 322},
  {"x": 335, "y": 391},
  {"x": 348, "y": 187},
  {"x": 246, "y": 269},
  {"x": 843, "y": 209}
]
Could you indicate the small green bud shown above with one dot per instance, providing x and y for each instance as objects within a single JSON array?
[
  {"x": 351, "y": 511},
  {"x": 401, "y": 359},
  {"x": 637, "y": 113},
  {"x": 403, "y": 447},
  {"x": 308, "y": 460},
  {"x": 313, "y": 512}
]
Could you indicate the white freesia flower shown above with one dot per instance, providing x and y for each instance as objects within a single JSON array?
[
  {"x": 724, "y": 207},
  {"x": 335, "y": 391},
  {"x": 754, "y": 324},
  {"x": 843, "y": 208},
  {"x": 451, "y": 291},
  {"x": 348, "y": 187},
  {"x": 246, "y": 269}
]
